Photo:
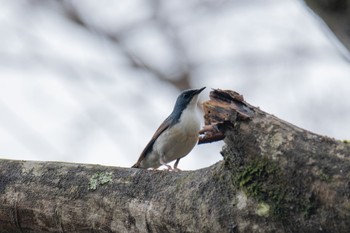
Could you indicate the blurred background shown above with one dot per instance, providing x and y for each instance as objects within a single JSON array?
[{"x": 90, "y": 81}]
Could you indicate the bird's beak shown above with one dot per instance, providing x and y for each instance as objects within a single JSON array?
[{"x": 199, "y": 90}]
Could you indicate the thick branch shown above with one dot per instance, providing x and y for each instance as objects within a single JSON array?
[{"x": 275, "y": 177}]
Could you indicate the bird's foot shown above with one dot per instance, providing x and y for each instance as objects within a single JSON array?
[
  {"x": 164, "y": 164},
  {"x": 176, "y": 169},
  {"x": 154, "y": 169},
  {"x": 169, "y": 167}
]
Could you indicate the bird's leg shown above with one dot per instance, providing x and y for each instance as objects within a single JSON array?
[
  {"x": 175, "y": 165},
  {"x": 161, "y": 161}
]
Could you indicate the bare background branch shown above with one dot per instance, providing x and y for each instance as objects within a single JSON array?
[{"x": 96, "y": 78}]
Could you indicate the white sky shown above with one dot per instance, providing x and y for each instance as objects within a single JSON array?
[{"x": 69, "y": 94}]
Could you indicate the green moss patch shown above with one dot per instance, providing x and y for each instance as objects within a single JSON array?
[
  {"x": 263, "y": 180},
  {"x": 99, "y": 178}
]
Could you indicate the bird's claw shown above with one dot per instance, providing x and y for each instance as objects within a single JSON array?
[{"x": 169, "y": 167}]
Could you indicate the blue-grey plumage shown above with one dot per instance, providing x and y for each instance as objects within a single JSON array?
[{"x": 176, "y": 136}]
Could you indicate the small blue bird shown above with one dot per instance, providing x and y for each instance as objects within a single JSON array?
[{"x": 176, "y": 136}]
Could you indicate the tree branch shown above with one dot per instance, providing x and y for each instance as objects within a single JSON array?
[
  {"x": 335, "y": 14},
  {"x": 274, "y": 177}
]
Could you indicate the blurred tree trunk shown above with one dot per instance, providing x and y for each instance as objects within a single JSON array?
[
  {"x": 274, "y": 177},
  {"x": 336, "y": 15}
]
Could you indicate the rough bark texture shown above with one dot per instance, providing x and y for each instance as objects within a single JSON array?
[
  {"x": 336, "y": 15},
  {"x": 274, "y": 177}
]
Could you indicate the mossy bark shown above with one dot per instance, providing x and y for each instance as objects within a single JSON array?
[{"x": 274, "y": 177}]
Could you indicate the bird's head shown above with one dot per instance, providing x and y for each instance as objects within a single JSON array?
[{"x": 186, "y": 99}]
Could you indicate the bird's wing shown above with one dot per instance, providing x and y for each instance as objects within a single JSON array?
[{"x": 149, "y": 146}]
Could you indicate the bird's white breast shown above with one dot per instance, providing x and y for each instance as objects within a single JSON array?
[{"x": 179, "y": 140}]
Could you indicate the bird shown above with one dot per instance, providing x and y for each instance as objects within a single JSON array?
[{"x": 176, "y": 136}]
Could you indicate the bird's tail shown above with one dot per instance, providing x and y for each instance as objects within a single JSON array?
[{"x": 136, "y": 165}]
